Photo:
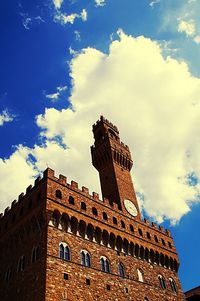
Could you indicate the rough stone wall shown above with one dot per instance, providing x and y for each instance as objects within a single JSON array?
[
  {"x": 23, "y": 228},
  {"x": 128, "y": 288}
]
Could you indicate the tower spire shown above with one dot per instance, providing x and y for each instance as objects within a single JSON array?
[{"x": 112, "y": 159}]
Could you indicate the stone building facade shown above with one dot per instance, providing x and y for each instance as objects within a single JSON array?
[{"x": 58, "y": 242}]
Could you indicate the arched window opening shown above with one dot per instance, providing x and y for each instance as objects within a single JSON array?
[
  {"x": 98, "y": 235},
  {"x": 90, "y": 232},
  {"x": 131, "y": 249},
  {"x": 64, "y": 251},
  {"x": 114, "y": 220},
  {"x": 173, "y": 285},
  {"x": 105, "y": 238},
  {"x": 71, "y": 200},
  {"x": 125, "y": 246},
  {"x": 137, "y": 250},
  {"x": 94, "y": 211},
  {"x": 83, "y": 206},
  {"x": 140, "y": 232},
  {"x": 162, "y": 282},
  {"x": 146, "y": 299},
  {"x": 119, "y": 243},
  {"x": 146, "y": 254},
  {"x": 85, "y": 258},
  {"x": 163, "y": 242},
  {"x": 156, "y": 238},
  {"x": 67, "y": 253},
  {"x": 148, "y": 235},
  {"x": 82, "y": 228},
  {"x": 140, "y": 275},
  {"x": 56, "y": 218},
  {"x": 64, "y": 222},
  {"x": 131, "y": 228},
  {"x": 123, "y": 224},
  {"x": 105, "y": 217},
  {"x": 58, "y": 194},
  {"x": 141, "y": 255},
  {"x": 112, "y": 240},
  {"x": 61, "y": 251},
  {"x": 105, "y": 266},
  {"x": 74, "y": 225},
  {"x": 121, "y": 270}
]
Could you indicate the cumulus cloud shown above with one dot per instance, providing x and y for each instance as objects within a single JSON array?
[
  {"x": 187, "y": 27},
  {"x": 197, "y": 39},
  {"x": 5, "y": 116},
  {"x": 100, "y": 2},
  {"x": 64, "y": 19},
  {"x": 155, "y": 103}
]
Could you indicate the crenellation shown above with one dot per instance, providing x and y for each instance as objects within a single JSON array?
[
  {"x": 62, "y": 179},
  {"x": 20, "y": 197},
  {"x": 6, "y": 210},
  {"x": 1, "y": 215},
  {"x": 13, "y": 203},
  {"x": 85, "y": 190},
  {"x": 37, "y": 180},
  {"x": 74, "y": 184},
  {"x": 49, "y": 173},
  {"x": 28, "y": 189},
  {"x": 95, "y": 196}
]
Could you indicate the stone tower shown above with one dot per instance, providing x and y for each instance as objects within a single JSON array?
[{"x": 59, "y": 242}]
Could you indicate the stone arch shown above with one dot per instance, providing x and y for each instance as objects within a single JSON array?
[
  {"x": 98, "y": 235},
  {"x": 90, "y": 232},
  {"x": 137, "y": 250},
  {"x": 125, "y": 245},
  {"x": 74, "y": 225},
  {"x": 131, "y": 248},
  {"x": 112, "y": 240},
  {"x": 119, "y": 243},
  {"x": 82, "y": 228},
  {"x": 56, "y": 218},
  {"x": 105, "y": 238},
  {"x": 64, "y": 221}
]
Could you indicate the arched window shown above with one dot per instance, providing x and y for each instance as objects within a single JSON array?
[
  {"x": 140, "y": 232},
  {"x": 162, "y": 282},
  {"x": 173, "y": 285},
  {"x": 83, "y": 206},
  {"x": 123, "y": 224},
  {"x": 58, "y": 194},
  {"x": 85, "y": 258},
  {"x": 64, "y": 251},
  {"x": 121, "y": 270},
  {"x": 140, "y": 275},
  {"x": 163, "y": 242},
  {"x": 94, "y": 211},
  {"x": 148, "y": 235},
  {"x": 146, "y": 299},
  {"x": 114, "y": 220},
  {"x": 131, "y": 228},
  {"x": 156, "y": 238},
  {"x": 71, "y": 200},
  {"x": 105, "y": 267},
  {"x": 105, "y": 216},
  {"x": 61, "y": 251}
]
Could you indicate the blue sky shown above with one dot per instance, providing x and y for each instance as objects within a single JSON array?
[{"x": 63, "y": 63}]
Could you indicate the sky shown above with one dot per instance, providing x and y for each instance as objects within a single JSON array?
[{"x": 66, "y": 62}]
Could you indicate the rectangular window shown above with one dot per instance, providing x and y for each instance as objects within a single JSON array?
[
  {"x": 65, "y": 276},
  {"x": 88, "y": 281},
  {"x": 108, "y": 287}
]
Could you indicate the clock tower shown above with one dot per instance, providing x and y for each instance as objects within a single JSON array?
[{"x": 112, "y": 159}]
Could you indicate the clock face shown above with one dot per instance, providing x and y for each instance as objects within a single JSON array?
[{"x": 130, "y": 207}]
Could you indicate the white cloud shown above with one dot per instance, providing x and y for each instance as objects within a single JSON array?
[
  {"x": 155, "y": 102},
  {"x": 154, "y": 2},
  {"x": 55, "y": 96},
  {"x": 100, "y": 2},
  {"x": 57, "y": 3},
  {"x": 187, "y": 27},
  {"x": 64, "y": 19},
  {"x": 77, "y": 35},
  {"x": 5, "y": 116},
  {"x": 197, "y": 39}
]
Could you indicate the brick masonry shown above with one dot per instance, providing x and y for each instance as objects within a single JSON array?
[{"x": 45, "y": 217}]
